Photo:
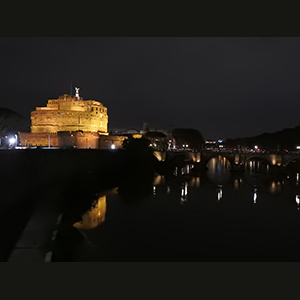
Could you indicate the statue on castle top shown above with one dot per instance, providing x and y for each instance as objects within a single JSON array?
[{"x": 77, "y": 92}]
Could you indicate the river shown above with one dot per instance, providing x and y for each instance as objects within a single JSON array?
[{"x": 213, "y": 215}]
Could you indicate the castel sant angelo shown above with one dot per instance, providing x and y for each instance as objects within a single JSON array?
[{"x": 68, "y": 121}]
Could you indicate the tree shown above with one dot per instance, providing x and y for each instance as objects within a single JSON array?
[
  {"x": 140, "y": 164},
  {"x": 10, "y": 121},
  {"x": 139, "y": 155},
  {"x": 188, "y": 136},
  {"x": 137, "y": 146}
]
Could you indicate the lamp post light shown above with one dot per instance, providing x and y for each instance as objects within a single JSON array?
[{"x": 13, "y": 141}]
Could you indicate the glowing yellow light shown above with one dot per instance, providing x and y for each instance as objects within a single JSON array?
[
  {"x": 136, "y": 136},
  {"x": 157, "y": 180},
  {"x": 273, "y": 187},
  {"x": 94, "y": 217},
  {"x": 236, "y": 184},
  {"x": 197, "y": 181}
]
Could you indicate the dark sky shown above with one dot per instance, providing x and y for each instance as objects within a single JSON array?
[{"x": 226, "y": 87}]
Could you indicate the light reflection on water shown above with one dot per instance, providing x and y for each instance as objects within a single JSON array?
[
  {"x": 218, "y": 170},
  {"x": 93, "y": 217},
  {"x": 96, "y": 214},
  {"x": 234, "y": 210}
]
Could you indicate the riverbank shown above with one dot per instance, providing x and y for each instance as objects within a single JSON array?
[{"x": 34, "y": 179}]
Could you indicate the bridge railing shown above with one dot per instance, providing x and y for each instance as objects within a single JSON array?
[{"x": 234, "y": 151}]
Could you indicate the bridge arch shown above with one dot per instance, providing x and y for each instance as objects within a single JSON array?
[
  {"x": 208, "y": 158},
  {"x": 259, "y": 163},
  {"x": 288, "y": 161},
  {"x": 259, "y": 157},
  {"x": 178, "y": 157},
  {"x": 159, "y": 155},
  {"x": 237, "y": 160}
]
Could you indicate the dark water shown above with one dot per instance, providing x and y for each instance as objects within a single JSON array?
[{"x": 216, "y": 215}]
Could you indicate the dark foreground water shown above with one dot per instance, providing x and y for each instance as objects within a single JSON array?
[{"x": 215, "y": 215}]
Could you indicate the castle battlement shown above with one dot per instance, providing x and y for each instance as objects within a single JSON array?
[{"x": 67, "y": 113}]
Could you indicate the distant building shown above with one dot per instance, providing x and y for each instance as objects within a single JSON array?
[
  {"x": 111, "y": 141},
  {"x": 210, "y": 144},
  {"x": 214, "y": 145},
  {"x": 67, "y": 121},
  {"x": 170, "y": 138},
  {"x": 158, "y": 140}
]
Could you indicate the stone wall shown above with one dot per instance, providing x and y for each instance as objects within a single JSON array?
[{"x": 28, "y": 139}]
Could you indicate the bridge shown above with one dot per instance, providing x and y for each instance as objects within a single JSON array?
[{"x": 237, "y": 160}]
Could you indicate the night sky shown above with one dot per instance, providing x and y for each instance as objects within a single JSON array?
[{"x": 226, "y": 87}]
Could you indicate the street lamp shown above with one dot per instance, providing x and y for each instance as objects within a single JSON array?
[{"x": 13, "y": 141}]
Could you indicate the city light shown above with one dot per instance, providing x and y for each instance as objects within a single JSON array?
[
  {"x": 12, "y": 141},
  {"x": 113, "y": 146},
  {"x": 184, "y": 192},
  {"x": 220, "y": 191},
  {"x": 254, "y": 195}
]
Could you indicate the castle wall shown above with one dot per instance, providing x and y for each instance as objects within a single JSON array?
[
  {"x": 69, "y": 114},
  {"x": 28, "y": 139},
  {"x": 89, "y": 140}
]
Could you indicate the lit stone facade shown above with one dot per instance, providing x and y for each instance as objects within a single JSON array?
[
  {"x": 38, "y": 139},
  {"x": 84, "y": 121},
  {"x": 69, "y": 113},
  {"x": 78, "y": 139}
]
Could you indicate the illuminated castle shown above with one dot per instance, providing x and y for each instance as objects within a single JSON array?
[{"x": 67, "y": 120}]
